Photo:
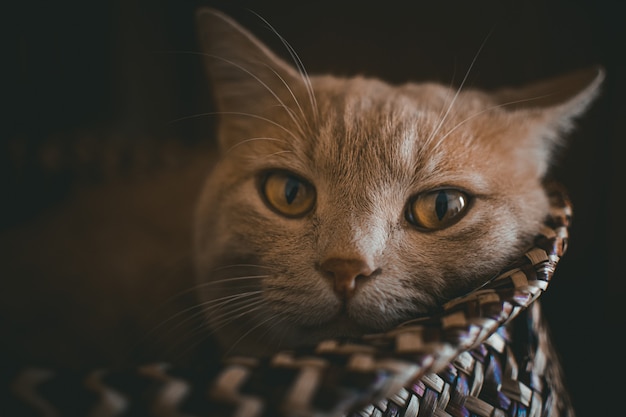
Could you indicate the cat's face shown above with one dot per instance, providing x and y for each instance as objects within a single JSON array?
[{"x": 347, "y": 206}]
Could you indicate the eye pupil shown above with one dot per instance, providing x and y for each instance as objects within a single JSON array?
[
  {"x": 292, "y": 186},
  {"x": 437, "y": 209},
  {"x": 441, "y": 204},
  {"x": 286, "y": 193}
]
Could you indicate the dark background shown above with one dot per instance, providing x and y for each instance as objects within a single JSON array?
[{"x": 120, "y": 69}]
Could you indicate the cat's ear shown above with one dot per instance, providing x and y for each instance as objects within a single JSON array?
[
  {"x": 561, "y": 98},
  {"x": 245, "y": 75},
  {"x": 551, "y": 106}
]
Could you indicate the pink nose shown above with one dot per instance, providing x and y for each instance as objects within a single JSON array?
[{"x": 345, "y": 273}]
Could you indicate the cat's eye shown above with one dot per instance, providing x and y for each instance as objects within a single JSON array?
[
  {"x": 437, "y": 209},
  {"x": 287, "y": 194}
]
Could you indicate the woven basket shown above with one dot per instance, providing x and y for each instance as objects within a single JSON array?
[{"x": 486, "y": 353}]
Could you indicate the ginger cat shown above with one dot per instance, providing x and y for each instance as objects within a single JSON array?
[{"x": 333, "y": 207}]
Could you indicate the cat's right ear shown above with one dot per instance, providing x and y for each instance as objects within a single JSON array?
[
  {"x": 245, "y": 75},
  {"x": 550, "y": 108}
]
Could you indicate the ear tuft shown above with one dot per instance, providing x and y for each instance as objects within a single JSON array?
[{"x": 560, "y": 99}]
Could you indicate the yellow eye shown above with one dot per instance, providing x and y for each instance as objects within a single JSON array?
[
  {"x": 437, "y": 209},
  {"x": 287, "y": 194}
]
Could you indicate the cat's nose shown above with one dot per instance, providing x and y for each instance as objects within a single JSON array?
[{"x": 345, "y": 273}]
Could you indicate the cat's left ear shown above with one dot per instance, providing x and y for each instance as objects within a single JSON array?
[
  {"x": 245, "y": 74},
  {"x": 552, "y": 105}
]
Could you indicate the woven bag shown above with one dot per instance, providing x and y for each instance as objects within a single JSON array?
[{"x": 486, "y": 353}]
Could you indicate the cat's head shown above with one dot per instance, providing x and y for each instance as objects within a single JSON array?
[{"x": 346, "y": 205}]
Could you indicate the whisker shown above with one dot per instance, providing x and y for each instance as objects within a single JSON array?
[
  {"x": 220, "y": 268},
  {"x": 195, "y": 333},
  {"x": 229, "y": 316},
  {"x": 225, "y": 319},
  {"x": 228, "y": 280},
  {"x": 458, "y": 125},
  {"x": 235, "y": 113},
  {"x": 272, "y": 317},
  {"x": 254, "y": 139},
  {"x": 289, "y": 111},
  {"x": 448, "y": 93},
  {"x": 245, "y": 70},
  {"x": 276, "y": 153},
  {"x": 299, "y": 65},
  {"x": 218, "y": 302},
  {"x": 458, "y": 91},
  {"x": 281, "y": 317},
  {"x": 211, "y": 283},
  {"x": 293, "y": 96},
  {"x": 202, "y": 306}
]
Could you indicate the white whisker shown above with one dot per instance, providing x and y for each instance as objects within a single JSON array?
[
  {"x": 220, "y": 301},
  {"x": 289, "y": 111},
  {"x": 225, "y": 321},
  {"x": 254, "y": 140},
  {"x": 211, "y": 283},
  {"x": 299, "y": 65},
  {"x": 245, "y": 70},
  {"x": 230, "y": 315},
  {"x": 458, "y": 91},
  {"x": 221, "y": 268},
  {"x": 445, "y": 103},
  {"x": 293, "y": 96},
  {"x": 235, "y": 113},
  {"x": 458, "y": 125},
  {"x": 276, "y": 153},
  {"x": 272, "y": 317},
  {"x": 279, "y": 317}
]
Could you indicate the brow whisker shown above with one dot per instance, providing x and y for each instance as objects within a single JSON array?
[
  {"x": 234, "y": 113},
  {"x": 253, "y": 140},
  {"x": 299, "y": 65},
  {"x": 458, "y": 91},
  {"x": 467, "y": 119},
  {"x": 276, "y": 153},
  {"x": 248, "y": 72},
  {"x": 293, "y": 96}
]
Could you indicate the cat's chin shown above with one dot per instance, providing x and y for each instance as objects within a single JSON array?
[
  {"x": 352, "y": 321},
  {"x": 292, "y": 336},
  {"x": 340, "y": 327}
]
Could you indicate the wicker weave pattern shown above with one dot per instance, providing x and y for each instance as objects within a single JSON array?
[
  {"x": 470, "y": 359},
  {"x": 491, "y": 380}
]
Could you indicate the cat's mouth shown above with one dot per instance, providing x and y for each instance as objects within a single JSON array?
[{"x": 346, "y": 323}]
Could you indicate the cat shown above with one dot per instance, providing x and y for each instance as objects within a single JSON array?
[
  {"x": 334, "y": 207},
  {"x": 345, "y": 206}
]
